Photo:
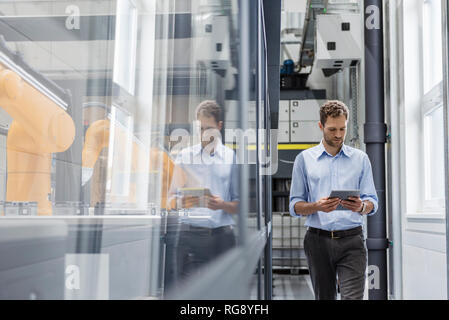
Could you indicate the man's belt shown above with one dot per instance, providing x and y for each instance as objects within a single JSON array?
[
  {"x": 338, "y": 233},
  {"x": 210, "y": 231}
]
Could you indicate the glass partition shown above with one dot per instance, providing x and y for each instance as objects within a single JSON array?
[{"x": 121, "y": 149}]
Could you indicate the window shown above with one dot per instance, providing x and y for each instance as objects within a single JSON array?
[
  {"x": 432, "y": 106},
  {"x": 125, "y": 46},
  {"x": 120, "y": 155},
  {"x": 434, "y": 156},
  {"x": 432, "y": 44}
]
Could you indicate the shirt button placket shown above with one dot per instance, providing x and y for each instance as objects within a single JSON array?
[
  {"x": 333, "y": 175},
  {"x": 334, "y": 185}
]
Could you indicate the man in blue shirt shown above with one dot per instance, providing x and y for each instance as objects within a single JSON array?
[
  {"x": 334, "y": 243},
  {"x": 207, "y": 228}
]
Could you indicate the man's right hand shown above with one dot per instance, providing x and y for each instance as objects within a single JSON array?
[
  {"x": 190, "y": 202},
  {"x": 327, "y": 204}
]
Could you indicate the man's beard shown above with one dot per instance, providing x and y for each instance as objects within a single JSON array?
[{"x": 333, "y": 143}]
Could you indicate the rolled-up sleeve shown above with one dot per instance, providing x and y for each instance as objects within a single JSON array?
[
  {"x": 298, "y": 191},
  {"x": 367, "y": 187}
]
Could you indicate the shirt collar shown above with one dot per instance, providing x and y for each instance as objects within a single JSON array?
[
  {"x": 345, "y": 150},
  {"x": 320, "y": 150}
]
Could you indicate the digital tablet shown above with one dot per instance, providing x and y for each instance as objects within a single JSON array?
[
  {"x": 344, "y": 195},
  {"x": 195, "y": 192},
  {"x": 200, "y": 193}
]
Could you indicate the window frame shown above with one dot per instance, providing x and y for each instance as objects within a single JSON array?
[
  {"x": 429, "y": 105},
  {"x": 427, "y": 30},
  {"x": 124, "y": 72}
]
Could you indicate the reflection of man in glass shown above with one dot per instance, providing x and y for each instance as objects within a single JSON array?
[{"x": 207, "y": 189}]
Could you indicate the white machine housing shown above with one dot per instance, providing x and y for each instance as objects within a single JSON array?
[
  {"x": 212, "y": 43},
  {"x": 338, "y": 41}
]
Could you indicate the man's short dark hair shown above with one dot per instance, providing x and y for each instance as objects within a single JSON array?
[
  {"x": 209, "y": 108},
  {"x": 334, "y": 109}
]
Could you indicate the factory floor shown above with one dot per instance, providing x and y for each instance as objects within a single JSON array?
[
  {"x": 292, "y": 287},
  {"x": 289, "y": 287}
]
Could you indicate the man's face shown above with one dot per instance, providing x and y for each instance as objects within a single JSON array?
[
  {"x": 209, "y": 128},
  {"x": 334, "y": 131}
]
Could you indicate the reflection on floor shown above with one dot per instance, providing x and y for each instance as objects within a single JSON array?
[
  {"x": 292, "y": 287},
  {"x": 289, "y": 287}
]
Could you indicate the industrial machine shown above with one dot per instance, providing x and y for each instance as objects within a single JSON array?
[
  {"x": 98, "y": 137},
  {"x": 298, "y": 121},
  {"x": 41, "y": 126},
  {"x": 338, "y": 41}
]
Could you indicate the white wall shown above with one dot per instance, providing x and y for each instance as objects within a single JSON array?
[{"x": 424, "y": 261}]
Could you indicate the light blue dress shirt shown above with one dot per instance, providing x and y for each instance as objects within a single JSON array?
[
  {"x": 217, "y": 172},
  {"x": 316, "y": 173}
]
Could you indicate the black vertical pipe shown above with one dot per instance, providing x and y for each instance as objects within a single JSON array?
[{"x": 375, "y": 139}]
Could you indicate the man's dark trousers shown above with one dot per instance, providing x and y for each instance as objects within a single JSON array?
[{"x": 328, "y": 257}]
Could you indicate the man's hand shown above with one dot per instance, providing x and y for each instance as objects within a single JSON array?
[
  {"x": 215, "y": 202},
  {"x": 190, "y": 202},
  {"x": 327, "y": 204},
  {"x": 355, "y": 204}
]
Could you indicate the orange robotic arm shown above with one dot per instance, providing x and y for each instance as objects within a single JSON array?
[
  {"x": 160, "y": 158},
  {"x": 40, "y": 127},
  {"x": 97, "y": 138}
]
